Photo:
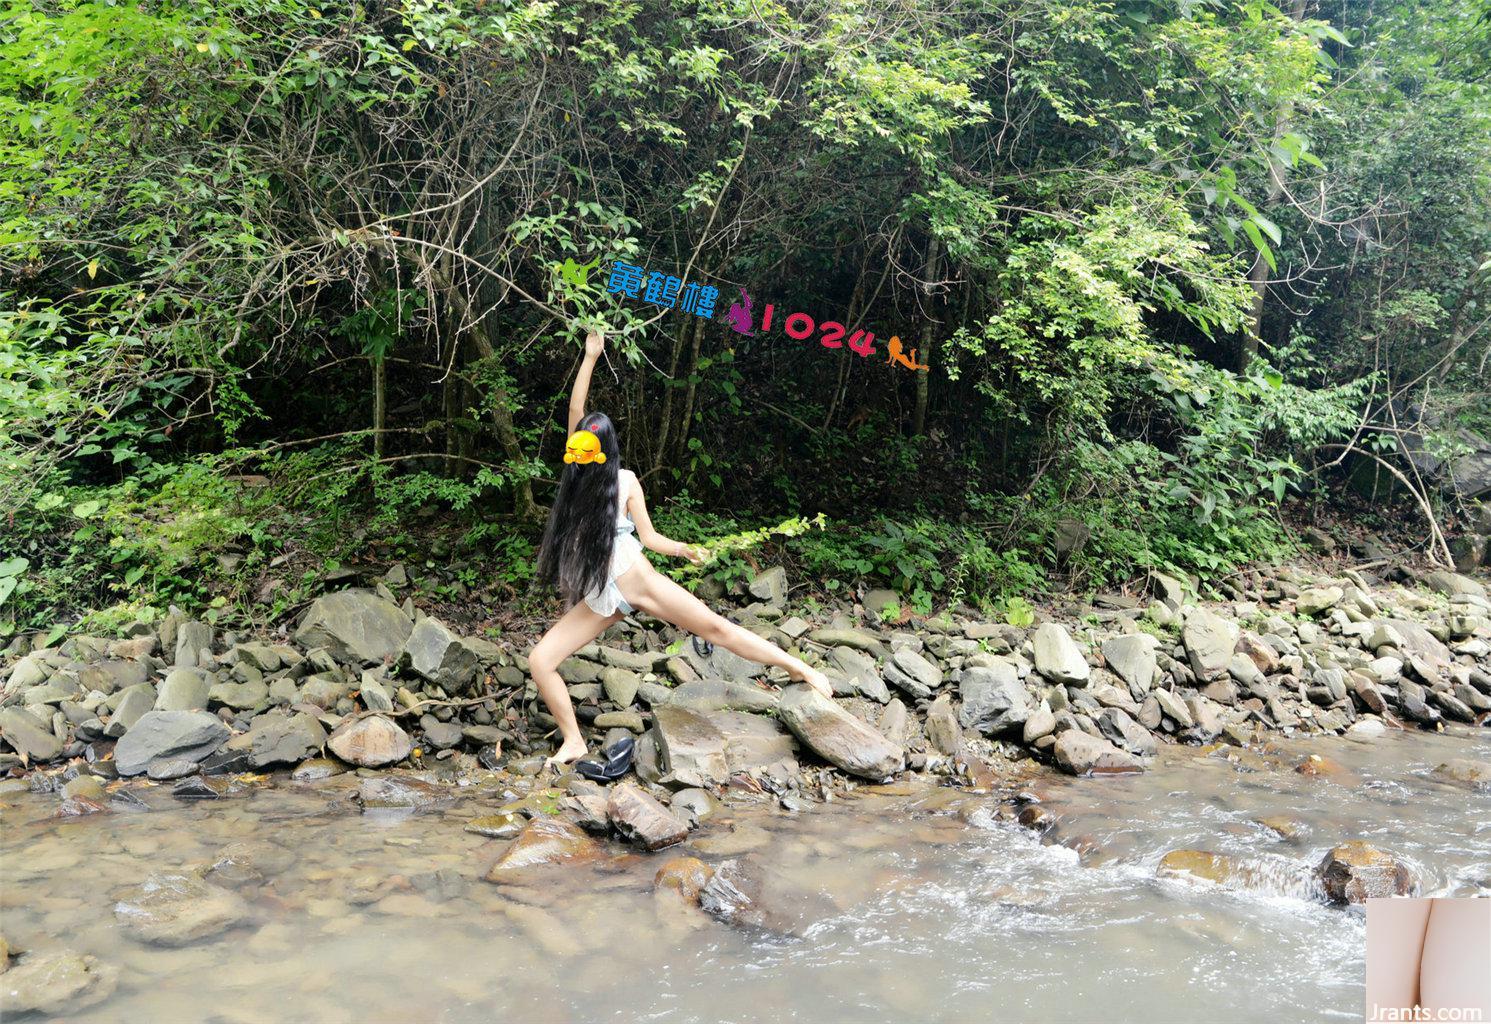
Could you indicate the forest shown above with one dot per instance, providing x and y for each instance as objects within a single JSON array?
[{"x": 288, "y": 289}]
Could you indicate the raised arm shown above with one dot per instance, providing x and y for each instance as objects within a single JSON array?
[
  {"x": 595, "y": 341},
  {"x": 636, "y": 507}
]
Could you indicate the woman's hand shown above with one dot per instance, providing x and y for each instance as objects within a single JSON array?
[
  {"x": 695, "y": 554},
  {"x": 595, "y": 343}
]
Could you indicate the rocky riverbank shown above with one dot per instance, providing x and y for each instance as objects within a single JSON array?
[{"x": 398, "y": 713}]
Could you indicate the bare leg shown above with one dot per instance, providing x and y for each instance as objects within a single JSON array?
[
  {"x": 650, "y": 591},
  {"x": 575, "y": 628}
]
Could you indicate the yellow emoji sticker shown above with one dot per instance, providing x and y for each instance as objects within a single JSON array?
[{"x": 583, "y": 447}]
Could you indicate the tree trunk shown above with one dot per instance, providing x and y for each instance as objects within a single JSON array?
[
  {"x": 924, "y": 355},
  {"x": 380, "y": 405},
  {"x": 507, "y": 434}
]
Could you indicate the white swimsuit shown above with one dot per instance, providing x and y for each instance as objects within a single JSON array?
[{"x": 625, "y": 549}]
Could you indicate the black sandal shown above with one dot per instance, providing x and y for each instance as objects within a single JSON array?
[{"x": 614, "y": 762}]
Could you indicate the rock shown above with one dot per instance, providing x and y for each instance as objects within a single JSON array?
[
  {"x": 401, "y": 792},
  {"x": 440, "y": 735},
  {"x": 837, "y": 736},
  {"x": 751, "y": 741},
  {"x": 750, "y": 893},
  {"x": 770, "y": 586},
  {"x": 1356, "y": 871},
  {"x": 1123, "y": 731},
  {"x": 239, "y": 696},
  {"x": 1042, "y": 722},
  {"x": 129, "y": 706},
  {"x": 193, "y": 644},
  {"x": 1057, "y": 656},
  {"x": 375, "y": 696},
  {"x": 686, "y": 876},
  {"x": 1366, "y": 730},
  {"x": 279, "y": 738},
  {"x": 695, "y": 804},
  {"x": 354, "y": 626},
  {"x": 1474, "y": 775},
  {"x": 853, "y": 672},
  {"x": 1452, "y": 584},
  {"x": 28, "y": 735},
  {"x": 620, "y": 686},
  {"x": 543, "y": 842},
  {"x": 1132, "y": 659},
  {"x": 508, "y": 826},
  {"x": 1218, "y": 868},
  {"x": 994, "y": 700},
  {"x": 1209, "y": 640},
  {"x": 895, "y": 723},
  {"x": 56, "y": 983},
  {"x": 628, "y": 720},
  {"x": 177, "y": 910},
  {"x": 167, "y": 769},
  {"x": 1080, "y": 754},
  {"x": 691, "y": 751},
  {"x": 438, "y": 655},
  {"x": 184, "y": 689},
  {"x": 370, "y": 742},
  {"x": 858, "y": 639},
  {"x": 1316, "y": 600},
  {"x": 643, "y": 820},
  {"x": 189, "y": 735},
  {"x": 317, "y": 768},
  {"x": 942, "y": 726},
  {"x": 913, "y": 674},
  {"x": 722, "y": 695}
]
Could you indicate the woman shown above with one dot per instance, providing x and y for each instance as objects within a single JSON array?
[{"x": 591, "y": 555}]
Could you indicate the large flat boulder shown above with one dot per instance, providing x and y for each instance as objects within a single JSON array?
[
  {"x": 640, "y": 818},
  {"x": 751, "y": 741},
  {"x": 722, "y": 695},
  {"x": 181, "y": 735},
  {"x": 354, "y": 626},
  {"x": 28, "y": 735},
  {"x": 837, "y": 736},
  {"x": 691, "y": 751}
]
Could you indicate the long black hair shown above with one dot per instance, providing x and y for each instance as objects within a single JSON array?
[{"x": 576, "y": 551}]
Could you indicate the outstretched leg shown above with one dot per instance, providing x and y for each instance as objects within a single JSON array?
[
  {"x": 650, "y": 591},
  {"x": 575, "y": 628}
]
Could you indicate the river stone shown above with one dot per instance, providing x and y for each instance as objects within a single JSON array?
[
  {"x": 544, "y": 841},
  {"x": 1123, "y": 731},
  {"x": 354, "y": 625},
  {"x": 895, "y": 723},
  {"x": 400, "y": 792},
  {"x": 1410, "y": 638},
  {"x": 942, "y": 728},
  {"x": 435, "y": 653},
  {"x": 695, "y": 804},
  {"x": 691, "y": 750},
  {"x": 853, "y": 672},
  {"x": 28, "y": 735},
  {"x": 1132, "y": 659},
  {"x": 374, "y": 695},
  {"x": 279, "y": 738},
  {"x": 721, "y": 663},
  {"x": 750, "y": 893},
  {"x": 1209, "y": 640},
  {"x": 994, "y": 700},
  {"x": 1057, "y": 656},
  {"x": 837, "y": 736},
  {"x": 686, "y": 876},
  {"x": 1042, "y": 722},
  {"x": 859, "y": 639},
  {"x": 770, "y": 586},
  {"x": 1465, "y": 772},
  {"x": 56, "y": 983},
  {"x": 1451, "y": 584},
  {"x": 620, "y": 685},
  {"x": 193, "y": 644},
  {"x": 1313, "y": 602},
  {"x": 913, "y": 674},
  {"x": 1080, "y": 754},
  {"x": 751, "y": 741},
  {"x": 1356, "y": 871},
  {"x": 184, "y": 689},
  {"x": 191, "y": 735},
  {"x": 131, "y": 705},
  {"x": 640, "y": 818},
  {"x": 177, "y": 910},
  {"x": 1218, "y": 868},
  {"x": 722, "y": 695},
  {"x": 239, "y": 696},
  {"x": 632, "y": 661},
  {"x": 370, "y": 742}
]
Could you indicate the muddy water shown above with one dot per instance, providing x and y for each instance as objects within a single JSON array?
[{"x": 910, "y": 907}]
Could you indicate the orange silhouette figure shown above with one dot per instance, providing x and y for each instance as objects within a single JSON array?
[{"x": 897, "y": 357}]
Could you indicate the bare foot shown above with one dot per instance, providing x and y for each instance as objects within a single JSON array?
[
  {"x": 569, "y": 751},
  {"x": 817, "y": 680}
]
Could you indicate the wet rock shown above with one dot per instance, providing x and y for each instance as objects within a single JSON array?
[
  {"x": 1356, "y": 871},
  {"x": 913, "y": 674},
  {"x": 1080, "y": 754},
  {"x": 1282, "y": 825},
  {"x": 1209, "y": 640},
  {"x": 435, "y": 653},
  {"x": 837, "y": 736},
  {"x": 691, "y": 751},
  {"x": 317, "y": 768},
  {"x": 695, "y": 804},
  {"x": 177, "y": 910},
  {"x": 56, "y": 983},
  {"x": 205, "y": 787},
  {"x": 354, "y": 626},
  {"x": 686, "y": 876},
  {"x": 397, "y": 792},
  {"x": 1464, "y": 772},
  {"x": 189, "y": 735},
  {"x": 507, "y": 826},
  {"x": 28, "y": 735},
  {"x": 644, "y": 821},
  {"x": 994, "y": 699},
  {"x": 1122, "y": 731},
  {"x": 276, "y": 737},
  {"x": 77, "y": 807},
  {"x": 370, "y": 742},
  {"x": 543, "y": 842},
  {"x": 749, "y": 893},
  {"x": 942, "y": 727},
  {"x": 167, "y": 769},
  {"x": 1132, "y": 659},
  {"x": 184, "y": 689},
  {"x": 1057, "y": 656}
]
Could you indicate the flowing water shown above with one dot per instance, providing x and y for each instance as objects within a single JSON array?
[{"x": 909, "y": 906}]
